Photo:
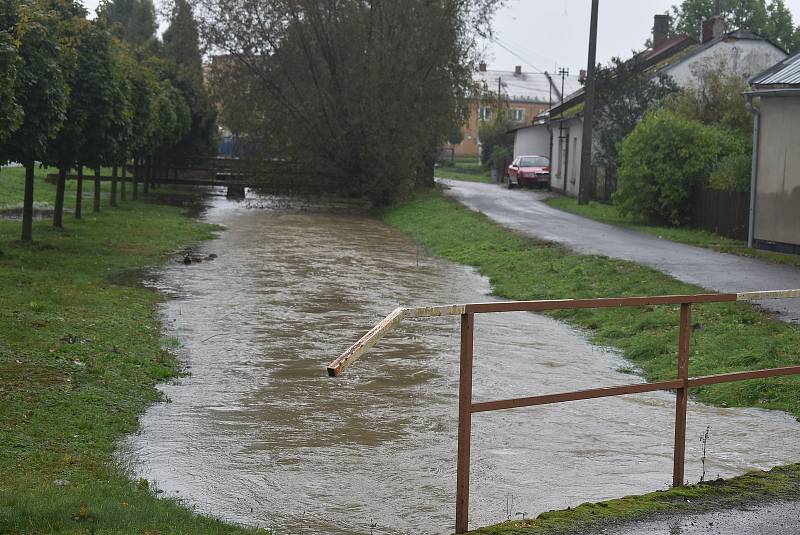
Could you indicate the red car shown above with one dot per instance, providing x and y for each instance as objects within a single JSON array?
[{"x": 529, "y": 171}]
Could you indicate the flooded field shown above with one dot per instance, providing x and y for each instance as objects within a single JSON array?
[{"x": 258, "y": 433}]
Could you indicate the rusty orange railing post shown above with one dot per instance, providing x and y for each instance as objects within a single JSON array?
[
  {"x": 682, "y": 394},
  {"x": 464, "y": 422}
]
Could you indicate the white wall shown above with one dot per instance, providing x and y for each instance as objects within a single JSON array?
[
  {"x": 743, "y": 56},
  {"x": 777, "y": 215},
  {"x": 565, "y": 175},
  {"x": 532, "y": 140}
]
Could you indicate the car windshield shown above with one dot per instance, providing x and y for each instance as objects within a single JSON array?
[{"x": 533, "y": 161}]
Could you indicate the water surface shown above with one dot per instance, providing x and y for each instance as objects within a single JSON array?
[{"x": 258, "y": 433}]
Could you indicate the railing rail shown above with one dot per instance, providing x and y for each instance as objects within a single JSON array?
[{"x": 466, "y": 407}]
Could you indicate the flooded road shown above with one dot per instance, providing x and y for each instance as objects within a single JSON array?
[{"x": 258, "y": 433}]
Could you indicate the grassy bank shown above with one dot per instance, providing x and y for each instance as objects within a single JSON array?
[
  {"x": 607, "y": 213},
  {"x": 468, "y": 169},
  {"x": 727, "y": 337},
  {"x": 80, "y": 354}
]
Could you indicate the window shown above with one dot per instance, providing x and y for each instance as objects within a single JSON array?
[
  {"x": 517, "y": 114},
  {"x": 485, "y": 114}
]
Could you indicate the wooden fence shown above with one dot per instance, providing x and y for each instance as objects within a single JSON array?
[{"x": 722, "y": 212}]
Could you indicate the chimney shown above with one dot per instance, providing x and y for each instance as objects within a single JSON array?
[
  {"x": 660, "y": 30},
  {"x": 518, "y": 70},
  {"x": 713, "y": 28},
  {"x": 482, "y": 66}
]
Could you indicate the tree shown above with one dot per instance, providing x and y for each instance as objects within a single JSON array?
[
  {"x": 41, "y": 93},
  {"x": 361, "y": 92},
  {"x": 182, "y": 49},
  {"x": 771, "y": 20},
  {"x": 10, "y": 111},
  {"x": 663, "y": 160},
  {"x": 716, "y": 99},
  {"x": 624, "y": 93},
  {"x": 133, "y": 21}
]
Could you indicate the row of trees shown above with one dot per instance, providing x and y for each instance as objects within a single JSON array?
[{"x": 78, "y": 93}]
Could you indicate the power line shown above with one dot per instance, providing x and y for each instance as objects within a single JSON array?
[{"x": 518, "y": 56}]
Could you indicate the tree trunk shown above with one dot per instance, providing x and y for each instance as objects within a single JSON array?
[
  {"x": 79, "y": 193},
  {"x": 96, "y": 206},
  {"x": 148, "y": 169},
  {"x": 27, "y": 206},
  {"x": 137, "y": 171},
  {"x": 58, "y": 213},
  {"x": 113, "y": 201},
  {"x": 122, "y": 193}
]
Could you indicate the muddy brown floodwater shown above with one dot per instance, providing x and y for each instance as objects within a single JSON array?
[{"x": 258, "y": 434}]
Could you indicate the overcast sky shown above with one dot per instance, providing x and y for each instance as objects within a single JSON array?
[{"x": 543, "y": 34}]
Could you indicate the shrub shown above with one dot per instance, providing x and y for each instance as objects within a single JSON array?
[
  {"x": 732, "y": 173},
  {"x": 663, "y": 160},
  {"x": 495, "y": 135}
]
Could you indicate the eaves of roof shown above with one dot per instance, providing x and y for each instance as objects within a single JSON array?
[{"x": 782, "y": 74}]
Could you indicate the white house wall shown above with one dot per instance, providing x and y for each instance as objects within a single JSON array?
[
  {"x": 532, "y": 140},
  {"x": 745, "y": 57},
  {"x": 777, "y": 214},
  {"x": 564, "y": 175}
]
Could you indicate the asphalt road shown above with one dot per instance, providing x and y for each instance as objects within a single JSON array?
[
  {"x": 774, "y": 519},
  {"x": 525, "y": 212}
]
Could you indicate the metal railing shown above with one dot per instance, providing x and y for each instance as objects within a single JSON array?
[{"x": 466, "y": 407}]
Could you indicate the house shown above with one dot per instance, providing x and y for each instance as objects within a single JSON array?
[
  {"x": 524, "y": 95},
  {"x": 775, "y": 185},
  {"x": 681, "y": 58}
]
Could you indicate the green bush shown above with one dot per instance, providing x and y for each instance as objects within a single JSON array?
[
  {"x": 732, "y": 173},
  {"x": 663, "y": 160},
  {"x": 495, "y": 135}
]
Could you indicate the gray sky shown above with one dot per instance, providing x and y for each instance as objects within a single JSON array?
[{"x": 547, "y": 33}]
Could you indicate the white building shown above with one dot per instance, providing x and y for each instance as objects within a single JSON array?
[{"x": 683, "y": 59}]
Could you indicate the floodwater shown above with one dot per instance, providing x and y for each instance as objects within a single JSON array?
[{"x": 258, "y": 434}]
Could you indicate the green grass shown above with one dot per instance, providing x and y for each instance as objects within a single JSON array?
[
  {"x": 12, "y": 187},
  {"x": 727, "y": 337},
  {"x": 607, "y": 213},
  {"x": 779, "y": 483},
  {"x": 80, "y": 354},
  {"x": 464, "y": 169}
]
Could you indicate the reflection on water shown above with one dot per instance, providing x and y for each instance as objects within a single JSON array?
[{"x": 259, "y": 434}]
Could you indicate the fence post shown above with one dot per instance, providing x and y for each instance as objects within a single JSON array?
[
  {"x": 683, "y": 395},
  {"x": 464, "y": 423}
]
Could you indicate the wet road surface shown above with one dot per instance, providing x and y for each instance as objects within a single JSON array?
[
  {"x": 525, "y": 212},
  {"x": 781, "y": 518},
  {"x": 259, "y": 434}
]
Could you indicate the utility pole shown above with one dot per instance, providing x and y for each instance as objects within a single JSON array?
[
  {"x": 499, "y": 89},
  {"x": 588, "y": 113}
]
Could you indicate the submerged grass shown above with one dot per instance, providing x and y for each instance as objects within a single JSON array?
[
  {"x": 607, "y": 213},
  {"x": 726, "y": 337},
  {"x": 80, "y": 353}
]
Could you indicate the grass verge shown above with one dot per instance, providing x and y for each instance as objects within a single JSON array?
[
  {"x": 779, "y": 483},
  {"x": 464, "y": 169},
  {"x": 607, "y": 213},
  {"x": 80, "y": 354},
  {"x": 727, "y": 336}
]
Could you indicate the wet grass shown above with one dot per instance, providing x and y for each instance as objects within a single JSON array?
[
  {"x": 607, "y": 213},
  {"x": 779, "y": 483},
  {"x": 80, "y": 354},
  {"x": 726, "y": 337},
  {"x": 468, "y": 169}
]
